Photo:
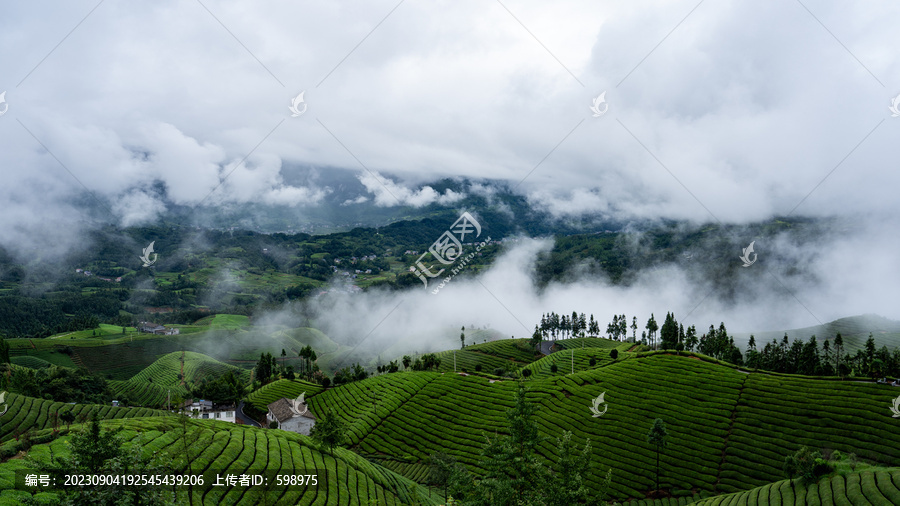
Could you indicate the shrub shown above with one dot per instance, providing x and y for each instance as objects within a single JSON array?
[
  {"x": 526, "y": 372},
  {"x": 499, "y": 371},
  {"x": 273, "y": 424},
  {"x": 613, "y": 353},
  {"x": 477, "y": 367},
  {"x": 592, "y": 361},
  {"x": 553, "y": 368}
]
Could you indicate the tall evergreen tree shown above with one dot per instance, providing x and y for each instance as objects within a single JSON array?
[
  {"x": 514, "y": 473},
  {"x": 652, "y": 327},
  {"x": 669, "y": 332},
  {"x": 657, "y": 437}
]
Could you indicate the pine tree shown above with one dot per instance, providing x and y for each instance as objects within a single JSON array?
[{"x": 838, "y": 352}]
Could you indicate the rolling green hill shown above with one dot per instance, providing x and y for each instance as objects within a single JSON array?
[
  {"x": 26, "y": 413},
  {"x": 224, "y": 321},
  {"x": 151, "y": 386},
  {"x": 728, "y": 430},
  {"x": 516, "y": 350},
  {"x": 282, "y": 388},
  {"x": 862, "y": 488},
  {"x": 343, "y": 479},
  {"x": 567, "y": 360}
]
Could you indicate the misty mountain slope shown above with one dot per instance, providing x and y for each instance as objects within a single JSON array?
[
  {"x": 728, "y": 430},
  {"x": 854, "y": 331}
]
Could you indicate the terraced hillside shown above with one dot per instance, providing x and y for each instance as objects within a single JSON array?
[
  {"x": 30, "y": 362},
  {"x": 591, "y": 342},
  {"x": 863, "y": 488},
  {"x": 566, "y": 361},
  {"x": 516, "y": 350},
  {"x": 282, "y": 388},
  {"x": 470, "y": 360},
  {"x": 151, "y": 386},
  {"x": 26, "y": 413},
  {"x": 224, "y": 321},
  {"x": 343, "y": 479},
  {"x": 728, "y": 430},
  {"x": 782, "y": 413}
]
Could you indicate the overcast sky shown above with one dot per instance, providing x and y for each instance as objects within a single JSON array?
[{"x": 730, "y": 111}]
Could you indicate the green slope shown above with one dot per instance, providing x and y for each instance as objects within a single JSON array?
[
  {"x": 729, "y": 430},
  {"x": 567, "y": 360},
  {"x": 282, "y": 388},
  {"x": 868, "y": 487},
  {"x": 151, "y": 386},
  {"x": 26, "y": 413}
]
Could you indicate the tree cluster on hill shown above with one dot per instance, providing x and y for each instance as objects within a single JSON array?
[
  {"x": 671, "y": 336},
  {"x": 427, "y": 362},
  {"x": 265, "y": 368},
  {"x": 223, "y": 389},
  {"x": 60, "y": 384},
  {"x": 392, "y": 366},
  {"x": 350, "y": 374},
  {"x": 799, "y": 357},
  {"x": 28, "y": 317}
]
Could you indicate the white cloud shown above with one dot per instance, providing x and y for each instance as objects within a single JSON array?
[
  {"x": 388, "y": 193},
  {"x": 138, "y": 208}
]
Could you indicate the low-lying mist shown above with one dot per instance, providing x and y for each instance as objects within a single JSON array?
[{"x": 793, "y": 284}]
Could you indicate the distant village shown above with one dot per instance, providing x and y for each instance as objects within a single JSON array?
[
  {"x": 89, "y": 274},
  {"x": 153, "y": 328}
]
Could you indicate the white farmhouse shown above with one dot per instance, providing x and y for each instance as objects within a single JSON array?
[
  {"x": 205, "y": 410},
  {"x": 292, "y": 415}
]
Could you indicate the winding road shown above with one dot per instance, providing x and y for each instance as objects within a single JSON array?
[{"x": 239, "y": 414}]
